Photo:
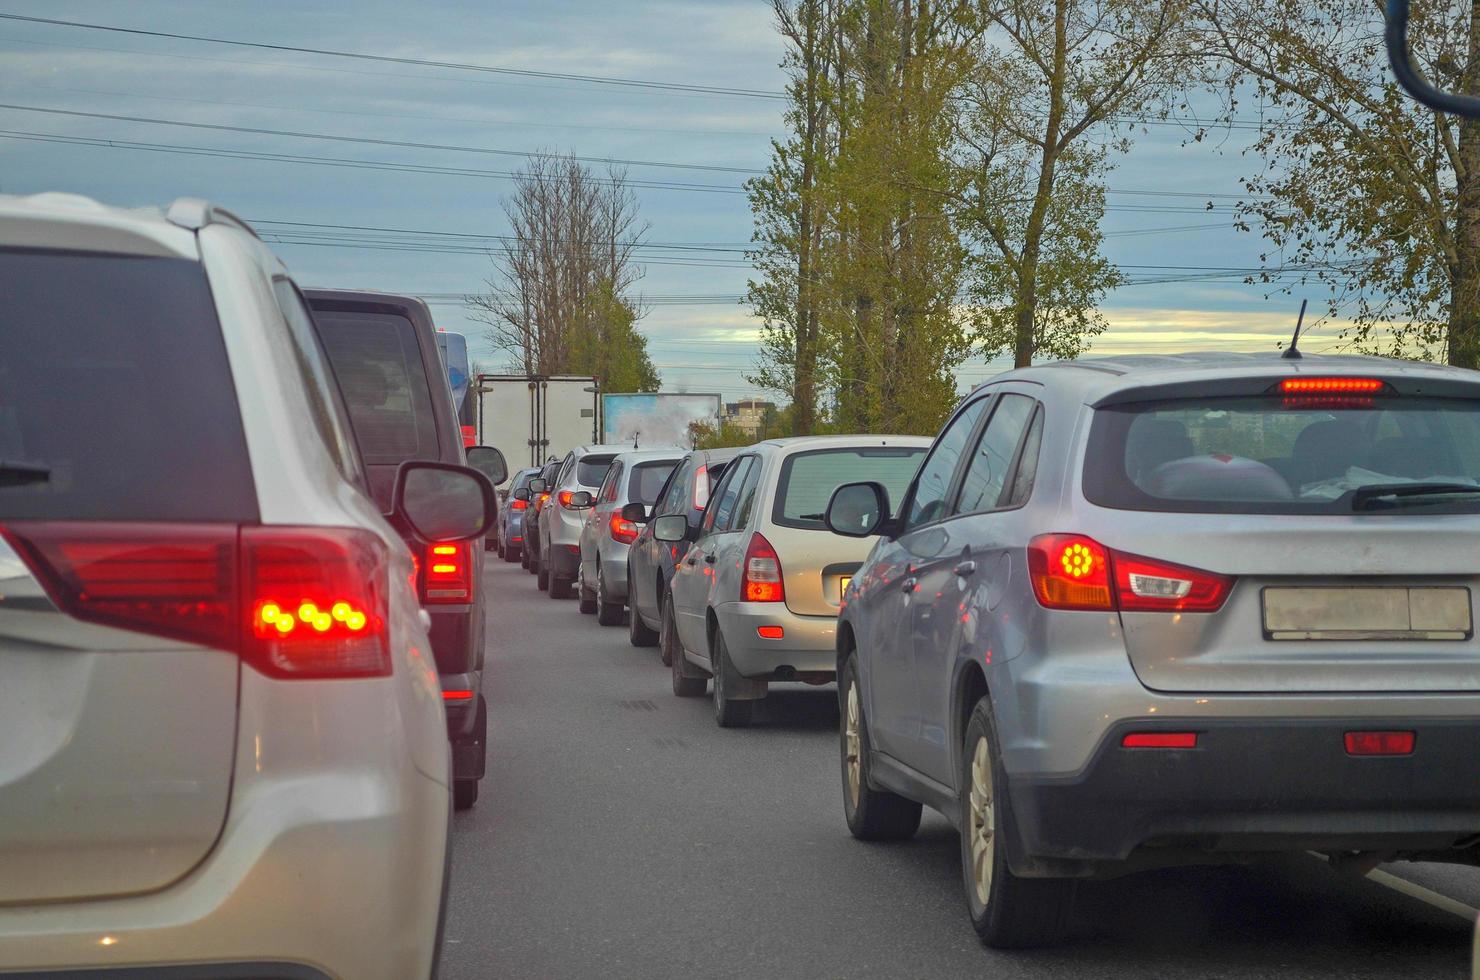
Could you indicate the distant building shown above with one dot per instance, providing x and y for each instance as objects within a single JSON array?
[{"x": 748, "y": 414}]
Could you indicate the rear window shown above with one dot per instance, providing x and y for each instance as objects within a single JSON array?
[
  {"x": 807, "y": 480},
  {"x": 647, "y": 481},
  {"x": 591, "y": 470},
  {"x": 114, "y": 387},
  {"x": 1267, "y": 455},
  {"x": 521, "y": 482},
  {"x": 383, "y": 378}
]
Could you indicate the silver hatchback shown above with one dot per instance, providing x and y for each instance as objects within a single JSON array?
[
  {"x": 613, "y": 521},
  {"x": 1163, "y": 610}
]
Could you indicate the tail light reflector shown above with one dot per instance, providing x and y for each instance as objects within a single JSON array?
[
  {"x": 447, "y": 575},
  {"x": 316, "y": 601},
  {"x": 1159, "y": 740},
  {"x": 1071, "y": 571},
  {"x": 456, "y": 696},
  {"x": 761, "y": 580},
  {"x": 1379, "y": 743},
  {"x": 770, "y": 632},
  {"x": 623, "y": 530}
]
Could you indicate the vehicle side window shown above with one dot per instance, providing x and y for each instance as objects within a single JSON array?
[
  {"x": 722, "y": 504},
  {"x": 608, "y": 491},
  {"x": 1027, "y": 471},
  {"x": 748, "y": 494},
  {"x": 928, "y": 500},
  {"x": 671, "y": 488},
  {"x": 329, "y": 417},
  {"x": 986, "y": 473}
]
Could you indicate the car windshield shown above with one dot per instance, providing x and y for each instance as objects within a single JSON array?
[
  {"x": 808, "y": 479},
  {"x": 591, "y": 470},
  {"x": 647, "y": 481},
  {"x": 384, "y": 381},
  {"x": 1273, "y": 455}
]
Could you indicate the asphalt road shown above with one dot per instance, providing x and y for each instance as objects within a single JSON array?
[{"x": 621, "y": 834}]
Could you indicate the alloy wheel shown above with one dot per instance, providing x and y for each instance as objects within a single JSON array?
[{"x": 982, "y": 821}]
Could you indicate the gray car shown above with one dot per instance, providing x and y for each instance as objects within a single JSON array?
[
  {"x": 512, "y": 515},
  {"x": 755, "y": 598},
  {"x": 613, "y": 521},
  {"x": 1162, "y": 610}
]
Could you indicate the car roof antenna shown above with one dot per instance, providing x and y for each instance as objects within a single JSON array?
[{"x": 1292, "y": 353}]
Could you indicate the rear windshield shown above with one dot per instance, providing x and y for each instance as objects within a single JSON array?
[
  {"x": 116, "y": 398},
  {"x": 808, "y": 480},
  {"x": 647, "y": 481},
  {"x": 591, "y": 470},
  {"x": 1267, "y": 455},
  {"x": 521, "y": 482},
  {"x": 384, "y": 381}
]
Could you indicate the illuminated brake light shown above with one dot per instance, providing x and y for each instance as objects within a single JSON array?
[
  {"x": 1331, "y": 386},
  {"x": 761, "y": 580},
  {"x": 448, "y": 576},
  {"x": 1159, "y": 740},
  {"x": 622, "y": 530},
  {"x": 518, "y": 504},
  {"x": 1379, "y": 743},
  {"x": 1071, "y": 571},
  {"x": 565, "y": 498}
]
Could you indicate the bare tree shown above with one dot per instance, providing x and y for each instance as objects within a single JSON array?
[{"x": 569, "y": 253}]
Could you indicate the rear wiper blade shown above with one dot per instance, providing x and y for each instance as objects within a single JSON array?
[
  {"x": 18, "y": 474},
  {"x": 1364, "y": 498}
]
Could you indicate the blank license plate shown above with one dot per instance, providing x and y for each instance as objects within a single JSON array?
[{"x": 1380, "y": 613}]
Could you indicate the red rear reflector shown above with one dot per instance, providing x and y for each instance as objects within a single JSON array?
[
  {"x": 1071, "y": 571},
  {"x": 770, "y": 632},
  {"x": 761, "y": 579},
  {"x": 457, "y": 695},
  {"x": 1159, "y": 740},
  {"x": 172, "y": 580},
  {"x": 1331, "y": 386},
  {"x": 1379, "y": 743},
  {"x": 470, "y": 436},
  {"x": 448, "y": 576},
  {"x": 622, "y": 529}
]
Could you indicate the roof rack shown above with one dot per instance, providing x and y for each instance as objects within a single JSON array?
[{"x": 194, "y": 214}]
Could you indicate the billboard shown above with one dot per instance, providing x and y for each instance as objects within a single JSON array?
[{"x": 659, "y": 418}]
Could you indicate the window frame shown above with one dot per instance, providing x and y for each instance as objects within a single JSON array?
[
  {"x": 1009, "y": 480},
  {"x": 717, "y": 494},
  {"x": 986, "y": 400}
]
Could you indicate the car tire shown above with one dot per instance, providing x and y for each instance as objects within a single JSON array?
[
  {"x": 607, "y": 613},
  {"x": 464, "y": 793},
  {"x": 688, "y": 680},
  {"x": 541, "y": 575},
  {"x": 728, "y": 712},
  {"x": 1007, "y": 912},
  {"x": 639, "y": 634},
  {"x": 872, "y": 814},
  {"x": 510, "y": 555},
  {"x": 524, "y": 558}
]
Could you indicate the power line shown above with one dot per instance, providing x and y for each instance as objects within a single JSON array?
[{"x": 420, "y": 62}]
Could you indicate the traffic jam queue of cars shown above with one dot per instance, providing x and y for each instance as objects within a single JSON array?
[
  {"x": 241, "y": 619},
  {"x": 1119, "y": 614}
]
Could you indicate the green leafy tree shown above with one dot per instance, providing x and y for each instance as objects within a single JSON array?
[{"x": 607, "y": 344}]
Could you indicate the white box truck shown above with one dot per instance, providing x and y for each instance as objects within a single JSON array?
[{"x": 534, "y": 418}]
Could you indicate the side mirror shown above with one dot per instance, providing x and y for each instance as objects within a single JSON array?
[
  {"x": 857, "y": 510},
  {"x": 636, "y": 512},
  {"x": 538, "y": 485},
  {"x": 520, "y": 494},
  {"x": 671, "y": 528},
  {"x": 1408, "y": 75},
  {"x": 580, "y": 500},
  {"x": 442, "y": 502},
  {"x": 490, "y": 462}
]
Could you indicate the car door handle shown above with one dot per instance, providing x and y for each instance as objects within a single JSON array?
[
  {"x": 966, "y": 569},
  {"x": 908, "y": 585},
  {"x": 709, "y": 559},
  {"x": 691, "y": 561}
]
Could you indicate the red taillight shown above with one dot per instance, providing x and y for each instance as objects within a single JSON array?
[
  {"x": 1159, "y": 740},
  {"x": 518, "y": 504},
  {"x": 1331, "y": 386},
  {"x": 701, "y": 487},
  {"x": 565, "y": 496},
  {"x": 447, "y": 574},
  {"x": 1071, "y": 571},
  {"x": 456, "y": 696},
  {"x": 176, "y": 581},
  {"x": 316, "y": 601},
  {"x": 1379, "y": 743},
  {"x": 296, "y": 602},
  {"x": 539, "y": 504},
  {"x": 761, "y": 578},
  {"x": 622, "y": 529}
]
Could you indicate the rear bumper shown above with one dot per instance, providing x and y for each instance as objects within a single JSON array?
[
  {"x": 1253, "y": 785},
  {"x": 614, "y": 572},
  {"x": 565, "y": 560},
  {"x": 808, "y": 644}
]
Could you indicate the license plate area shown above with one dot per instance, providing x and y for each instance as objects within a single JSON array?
[{"x": 1367, "y": 613}]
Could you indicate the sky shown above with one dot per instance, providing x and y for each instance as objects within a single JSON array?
[{"x": 701, "y": 338}]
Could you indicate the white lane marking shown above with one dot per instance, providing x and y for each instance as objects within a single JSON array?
[{"x": 1426, "y": 895}]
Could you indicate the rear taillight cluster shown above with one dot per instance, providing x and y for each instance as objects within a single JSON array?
[
  {"x": 1071, "y": 571},
  {"x": 761, "y": 579},
  {"x": 446, "y": 573},
  {"x": 565, "y": 498},
  {"x": 518, "y": 504},
  {"x": 622, "y": 530},
  {"x": 292, "y": 601}
]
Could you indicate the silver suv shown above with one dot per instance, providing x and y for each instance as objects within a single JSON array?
[
  {"x": 1162, "y": 610},
  {"x": 560, "y": 521},
  {"x": 613, "y": 522},
  {"x": 218, "y": 717}
]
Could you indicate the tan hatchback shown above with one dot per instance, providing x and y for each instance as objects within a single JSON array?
[{"x": 756, "y": 597}]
